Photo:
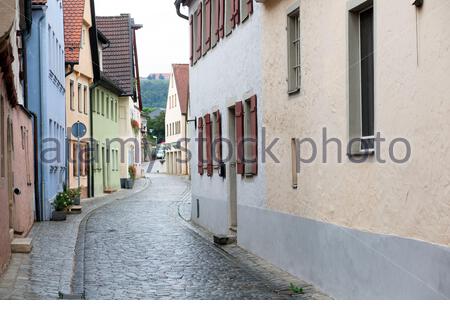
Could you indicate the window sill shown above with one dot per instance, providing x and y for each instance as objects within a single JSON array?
[
  {"x": 294, "y": 91},
  {"x": 370, "y": 152}
]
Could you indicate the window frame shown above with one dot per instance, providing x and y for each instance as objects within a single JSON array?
[
  {"x": 293, "y": 49},
  {"x": 355, "y": 85}
]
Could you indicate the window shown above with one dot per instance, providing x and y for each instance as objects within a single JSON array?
[
  {"x": 229, "y": 16},
  {"x": 80, "y": 99},
  {"x": 74, "y": 160},
  {"x": 206, "y": 26},
  {"x": 2, "y": 139},
  {"x": 361, "y": 79},
  {"x": 246, "y": 9},
  {"x": 294, "y": 71},
  {"x": 103, "y": 103},
  {"x": 85, "y": 100},
  {"x": 107, "y": 107},
  {"x": 72, "y": 95}
]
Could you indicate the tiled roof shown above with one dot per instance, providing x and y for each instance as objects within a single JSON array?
[
  {"x": 118, "y": 57},
  {"x": 181, "y": 75},
  {"x": 73, "y": 22}
]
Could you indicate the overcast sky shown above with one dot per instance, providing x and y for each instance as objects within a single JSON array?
[{"x": 163, "y": 40}]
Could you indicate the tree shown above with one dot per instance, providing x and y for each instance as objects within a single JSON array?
[{"x": 158, "y": 125}]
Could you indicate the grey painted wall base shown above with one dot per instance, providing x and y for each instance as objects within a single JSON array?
[
  {"x": 213, "y": 214},
  {"x": 346, "y": 263}
]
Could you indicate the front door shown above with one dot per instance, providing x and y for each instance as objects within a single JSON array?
[
  {"x": 232, "y": 171},
  {"x": 10, "y": 154}
]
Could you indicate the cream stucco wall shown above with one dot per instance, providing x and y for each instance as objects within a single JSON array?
[
  {"x": 128, "y": 111},
  {"x": 176, "y": 161},
  {"x": 411, "y": 101}
]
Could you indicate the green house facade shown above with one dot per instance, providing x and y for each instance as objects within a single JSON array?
[{"x": 105, "y": 134}]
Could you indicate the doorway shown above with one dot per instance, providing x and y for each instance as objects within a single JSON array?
[
  {"x": 232, "y": 172},
  {"x": 104, "y": 168},
  {"x": 10, "y": 173}
]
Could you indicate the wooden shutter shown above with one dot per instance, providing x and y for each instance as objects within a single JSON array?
[
  {"x": 199, "y": 32},
  {"x": 209, "y": 160},
  {"x": 200, "y": 146},
  {"x": 239, "y": 114},
  {"x": 250, "y": 6},
  {"x": 218, "y": 140},
  {"x": 221, "y": 18},
  {"x": 208, "y": 25},
  {"x": 237, "y": 12},
  {"x": 191, "y": 53},
  {"x": 253, "y": 161},
  {"x": 233, "y": 13}
]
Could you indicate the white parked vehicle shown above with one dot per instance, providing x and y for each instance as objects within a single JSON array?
[{"x": 161, "y": 154}]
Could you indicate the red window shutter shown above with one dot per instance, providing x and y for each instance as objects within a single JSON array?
[
  {"x": 208, "y": 25},
  {"x": 233, "y": 13},
  {"x": 191, "y": 26},
  {"x": 218, "y": 142},
  {"x": 253, "y": 161},
  {"x": 209, "y": 160},
  {"x": 199, "y": 32},
  {"x": 239, "y": 114},
  {"x": 250, "y": 6},
  {"x": 237, "y": 12},
  {"x": 221, "y": 18},
  {"x": 200, "y": 146}
]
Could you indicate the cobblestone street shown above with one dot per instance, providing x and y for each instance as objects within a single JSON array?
[
  {"x": 139, "y": 248},
  {"x": 138, "y": 245}
]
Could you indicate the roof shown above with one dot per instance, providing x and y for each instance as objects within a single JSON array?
[
  {"x": 181, "y": 75},
  {"x": 39, "y": 2},
  {"x": 73, "y": 22},
  {"x": 118, "y": 57}
]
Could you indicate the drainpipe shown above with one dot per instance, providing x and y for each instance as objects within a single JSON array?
[
  {"x": 41, "y": 109},
  {"x": 91, "y": 128},
  {"x": 178, "y": 7},
  {"x": 71, "y": 67}
]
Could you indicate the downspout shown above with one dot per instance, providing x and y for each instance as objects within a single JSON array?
[
  {"x": 71, "y": 67},
  {"x": 91, "y": 128},
  {"x": 178, "y": 7},
  {"x": 41, "y": 111}
]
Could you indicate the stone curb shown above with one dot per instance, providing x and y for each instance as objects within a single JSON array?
[{"x": 75, "y": 287}]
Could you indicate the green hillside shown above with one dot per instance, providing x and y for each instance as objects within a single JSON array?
[{"x": 154, "y": 93}]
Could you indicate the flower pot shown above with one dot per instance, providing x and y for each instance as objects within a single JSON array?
[
  {"x": 130, "y": 184},
  {"x": 59, "y": 216},
  {"x": 77, "y": 201}
]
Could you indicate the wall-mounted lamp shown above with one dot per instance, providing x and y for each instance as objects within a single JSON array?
[
  {"x": 418, "y": 3},
  {"x": 193, "y": 120}
]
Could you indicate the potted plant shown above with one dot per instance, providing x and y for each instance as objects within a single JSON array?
[
  {"x": 60, "y": 204},
  {"x": 132, "y": 173},
  {"x": 135, "y": 125},
  {"x": 75, "y": 196}
]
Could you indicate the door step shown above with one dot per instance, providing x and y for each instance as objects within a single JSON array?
[
  {"x": 21, "y": 245},
  {"x": 109, "y": 191},
  {"x": 75, "y": 209},
  {"x": 223, "y": 240}
]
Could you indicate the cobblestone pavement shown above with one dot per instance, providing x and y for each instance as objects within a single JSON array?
[
  {"x": 139, "y": 248},
  {"x": 49, "y": 268}
]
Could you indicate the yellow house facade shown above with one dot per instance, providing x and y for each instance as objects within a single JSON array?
[{"x": 79, "y": 78}]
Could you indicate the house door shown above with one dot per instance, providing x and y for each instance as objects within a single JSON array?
[
  {"x": 232, "y": 172},
  {"x": 10, "y": 155},
  {"x": 104, "y": 168}
]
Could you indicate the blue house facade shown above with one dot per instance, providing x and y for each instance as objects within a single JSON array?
[{"x": 46, "y": 74}]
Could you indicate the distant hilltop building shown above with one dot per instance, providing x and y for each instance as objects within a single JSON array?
[{"x": 158, "y": 76}]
